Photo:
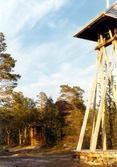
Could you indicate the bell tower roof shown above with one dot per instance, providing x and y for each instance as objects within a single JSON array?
[{"x": 100, "y": 24}]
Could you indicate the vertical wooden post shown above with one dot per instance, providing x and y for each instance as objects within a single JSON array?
[
  {"x": 103, "y": 130},
  {"x": 93, "y": 117},
  {"x": 103, "y": 110},
  {"x": 115, "y": 31},
  {"x": 94, "y": 142}
]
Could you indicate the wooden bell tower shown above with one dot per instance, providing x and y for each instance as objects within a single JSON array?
[{"x": 103, "y": 30}]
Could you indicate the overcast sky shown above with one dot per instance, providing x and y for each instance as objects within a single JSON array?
[{"x": 39, "y": 35}]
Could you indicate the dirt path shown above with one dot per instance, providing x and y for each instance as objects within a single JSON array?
[
  {"x": 40, "y": 161},
  {"x": 36, "y": 158}
]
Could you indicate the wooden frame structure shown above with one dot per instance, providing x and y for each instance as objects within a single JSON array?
[{"x": 103, "y": 30}]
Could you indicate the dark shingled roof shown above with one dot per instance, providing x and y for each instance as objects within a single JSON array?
[{"x": 100, "y": 24}]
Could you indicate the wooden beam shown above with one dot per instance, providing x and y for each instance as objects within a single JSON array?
[
  {"x": 100, "y": 112},
  {"x": 103, "y": 110},
  {"x": 106, "y": 43},
  {"x": 93, "y": 117},
  {"x": 116, "y": 71},
  {"x": 81, "y": 137}
]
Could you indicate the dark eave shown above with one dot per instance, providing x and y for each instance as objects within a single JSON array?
[{"x": 99, "y": 25}]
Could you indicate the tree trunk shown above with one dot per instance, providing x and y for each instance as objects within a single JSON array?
[
  {"x": 20, "y": 138},
  {"x": 25, "y": 135},
  {"x": 8, "y": 137}
]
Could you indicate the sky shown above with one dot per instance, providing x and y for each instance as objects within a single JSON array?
[{"x": 39, "y": 35}]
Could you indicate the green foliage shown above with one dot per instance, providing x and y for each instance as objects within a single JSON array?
[
  {"x": 69, "y": 130},
  {"x": 2, "y": 44},
  {"x": 71, "y": 107},
  {"x": 73, "y": 95},
  {"x": 19, "y": 113},
  {"x": 41, "y": 100},
  {"x": 110, "y": 115},
  {"x": 56, "y": 126},
  {"x": 52, "y": 125},
  {"x": 18, "y": 119},
  {"x": 8, "y": 79}
]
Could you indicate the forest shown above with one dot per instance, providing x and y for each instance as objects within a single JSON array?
[{"x": 60, "y": 121}]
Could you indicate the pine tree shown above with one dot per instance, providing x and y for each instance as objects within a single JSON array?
[
  {"x": 8, "y": 80},
  {"x": 41, "y": 101},
  {"x": 72, "y": 95},
  {"x": 51, "y": 123}
]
